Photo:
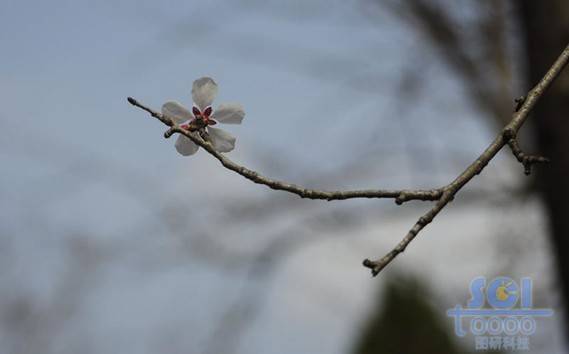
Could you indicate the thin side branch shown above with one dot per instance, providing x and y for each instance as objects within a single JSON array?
[
  {"x": 525, "y": 159},
  {"x": 400, "y": 196},
  {"x": 504, "y": 137}
]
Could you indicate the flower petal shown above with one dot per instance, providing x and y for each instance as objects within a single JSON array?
[
  {"x": 185, "y": 146},
  {"x": 176, "y": 111},
  {"x": 204, "y": 91},
  {"x": 221, "y": 140},
  {"x": 229, "y": 113}
]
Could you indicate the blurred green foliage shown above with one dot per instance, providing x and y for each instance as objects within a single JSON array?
[{"x": 404, "y": 321}]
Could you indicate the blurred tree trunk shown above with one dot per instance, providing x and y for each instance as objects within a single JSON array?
[{"x": 546, "y": 26}]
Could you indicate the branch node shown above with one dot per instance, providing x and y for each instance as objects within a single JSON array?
[
  {"x": 509, "y": 134},
  {"x": 519, "y": 102},
  {"x": 401, "y": 198},
  {"x": 422, "y": 221},
  {"x": 168, "y": 133}
]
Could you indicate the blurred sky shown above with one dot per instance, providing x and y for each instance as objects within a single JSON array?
[{"x": 89, "y": 187}]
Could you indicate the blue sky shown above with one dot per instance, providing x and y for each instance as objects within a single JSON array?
[{"x": 86, "y": 172}]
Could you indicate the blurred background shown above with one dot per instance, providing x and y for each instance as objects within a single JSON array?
[{"x": 111, "y": 242}]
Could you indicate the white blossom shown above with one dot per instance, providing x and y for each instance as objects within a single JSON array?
[{"x": 204, "y": 91}]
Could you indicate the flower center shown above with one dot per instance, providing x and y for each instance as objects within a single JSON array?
[
  {"x": 203, "y": 116},
  {"x": 200, "y": 120}
]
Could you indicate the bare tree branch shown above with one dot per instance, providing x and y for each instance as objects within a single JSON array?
[
  {"x": 442, "y": 195},
  {"x": 479, "y": 164},
  {"x": 400, "y": 196}
]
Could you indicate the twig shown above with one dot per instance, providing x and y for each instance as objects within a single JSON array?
[
  {"x": 449, "y": 191},
  {"x": 400, "y": 196},
  {"x": 525, "y": 159},
  {"x": 442, "y": 196},
  {"x": 169, "y": 122}
]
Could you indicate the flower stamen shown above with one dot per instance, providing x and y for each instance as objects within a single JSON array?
[{"x": 203, "y": 117}]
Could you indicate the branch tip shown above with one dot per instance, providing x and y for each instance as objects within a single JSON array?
[{"x": 375, "y": 269}]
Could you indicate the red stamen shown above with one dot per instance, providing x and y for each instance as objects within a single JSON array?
[{"x": 207, "y": 112}]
